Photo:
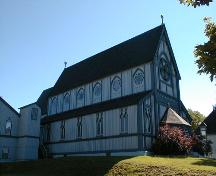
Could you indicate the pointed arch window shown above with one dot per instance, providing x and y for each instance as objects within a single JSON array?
[
  {"x": 80, "y": 97},
  {"x": 53, "y": 106},
  {"x": 66, "y": 102},
  {"x": 8, "y": 127},
  {"x": 97, "y": 91},
  {"x": 138, "y": 77},
  {"x": 62, "y": 129},
  {"x": 99, "y": 124},
  {"x": 123, "y": 120},
  {"x": 79, "y": 127}
]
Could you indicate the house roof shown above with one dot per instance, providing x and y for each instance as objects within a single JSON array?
[
  {"x": 210, "y": 121},
  {"x": 98, "y": 107},
  {"x": 171, "y": 117},
  {"x": 133, "y": 52},
  {"x": 43, "y": 99},
  {"x": 9, "y": 106}
]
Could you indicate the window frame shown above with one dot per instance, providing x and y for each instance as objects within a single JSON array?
[
  {"x": 34, "y": 113},
  {"x": 8, "y": 131},
  {"x": 62, "y": 130},
  {"x": 5, "y": 156},
  {"x": 66, "y": 95},
  {"x": 79, "y": 127},
  {"x": 123, "y": 120},
  {"x": 99, "y": 124}
]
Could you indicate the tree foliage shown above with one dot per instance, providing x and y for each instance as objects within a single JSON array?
[
  {"x": 201, "y": 145},
  {"x": 172, "y": 141},
  {"x": 197, "y": 118},
  {"x": 206, "y": 53},
  {"x": 195, "y": 3}
]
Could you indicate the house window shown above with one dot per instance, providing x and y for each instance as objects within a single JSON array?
[
  {"x": 79, "y": 127},
  {"x": 62, "y": 129},
  {"x": 138, "y": 77},
  {"x": 116, "y": 84},
  {"x": 97, "y": 89},
  {"x": 34, "y": 113},
  {"x": 66, "y": 102},
  {"x": 123, "y": 120},
  {"x": 5, "y": 153},
  {"x": 8, "y": 127},
  {"x": 99, "y": 124}
]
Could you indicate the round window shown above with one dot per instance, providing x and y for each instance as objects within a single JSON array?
[{"x": 164, "y": 69}]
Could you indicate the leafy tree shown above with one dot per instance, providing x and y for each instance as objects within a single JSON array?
[
  {"x": 206, "y": 53},
  {"x": 195, "y": 3},
  {"x": 197, "y": 118}
]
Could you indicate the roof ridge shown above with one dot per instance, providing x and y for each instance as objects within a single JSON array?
[
  {"x": 135, "y": 51},
  {"x": 162, "y": 25}
]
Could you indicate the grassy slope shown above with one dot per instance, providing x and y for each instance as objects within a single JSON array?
[
  {"x": 120, "y": 166},
  {"x": 151, "y": 166}
]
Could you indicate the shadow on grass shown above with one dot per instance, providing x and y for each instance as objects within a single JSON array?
[
  {"x": 205, "y": 162},
  {"x": 80, "y": 166}
]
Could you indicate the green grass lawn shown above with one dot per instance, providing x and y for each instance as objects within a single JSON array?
[
  {"x": 169, "y": 166},
  {"x": 87, "y": 166}
]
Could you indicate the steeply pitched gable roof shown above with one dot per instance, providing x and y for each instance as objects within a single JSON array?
[
  {"x": 210, "y": 121},
  {"x": 133, "y": 52},
  {"x": 171, "y": 117},
  {"x": 42, "y": 100},
  {"x": 9, "y": 106}
]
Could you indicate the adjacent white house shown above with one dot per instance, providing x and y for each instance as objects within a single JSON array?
[
  {"x": 19, "y": 132},
  {"x": 109, "y": 104},
  {"x": 208, "y": 129}
]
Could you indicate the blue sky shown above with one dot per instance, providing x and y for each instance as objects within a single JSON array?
[{"x": 36, "y": 37}]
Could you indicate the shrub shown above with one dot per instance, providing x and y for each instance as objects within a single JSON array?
[
  {"x": 201, "y": 145},
  {"x": 172, "y": 141}
]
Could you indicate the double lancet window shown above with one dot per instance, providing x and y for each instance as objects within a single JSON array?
[
  {"x": 147, "y": 118},
  {"x": 123, "y": 120},
  {"x": 79, "y": 127},
  {"x": 99, "y": 124},
  {"x": 62, "y": 129}
]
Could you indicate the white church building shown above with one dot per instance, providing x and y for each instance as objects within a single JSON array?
[{"x": 108, "y": 104}]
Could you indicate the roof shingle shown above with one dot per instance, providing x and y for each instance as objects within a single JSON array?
[{"x": 133, "y": 52}]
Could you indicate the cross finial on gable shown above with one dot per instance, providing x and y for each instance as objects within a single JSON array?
[
  {"x": 162, "y": 19},
  {"x": 65, "y": 63}
]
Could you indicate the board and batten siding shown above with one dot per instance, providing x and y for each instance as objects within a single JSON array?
[
  {"x": 112, "y": 139},
  {"x": 95, "y": 146},
  {"x": 127, "y": 87},
  {"x": 169, "y": 87}
]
